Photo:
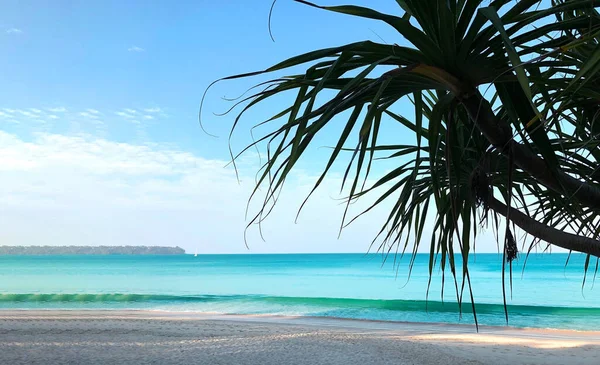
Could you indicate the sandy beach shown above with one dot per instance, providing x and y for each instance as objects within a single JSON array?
[{"x": 145, "y": 337}]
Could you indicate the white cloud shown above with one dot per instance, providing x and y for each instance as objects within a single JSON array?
[
  {"x": 92, "y": 111},
  {"x": 124, "y": 115},
  {"x": 148, "y": 117},
  {"x": 26, "y": 113},
  {"x": 59, "y": 109},
  {"x": 52, "y": 116},
  {"x": 86, "y": 190},
  {"x": 135, "y": 49},
  {"x": 88, "y": 115},
  {"x": 130, "y": 111},
  {"x": 14, "y": 31},
  {"x": 152, "y": 110},
  {"x": 34, "y": 114},
  {"x": 94, "y": 156}
]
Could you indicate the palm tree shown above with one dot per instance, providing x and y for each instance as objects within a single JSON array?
[{"x": 506, "y": 98}]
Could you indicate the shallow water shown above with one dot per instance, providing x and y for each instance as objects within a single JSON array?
[{"x": 548, "y": 295}]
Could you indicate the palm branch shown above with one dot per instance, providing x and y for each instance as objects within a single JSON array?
[{"x": 506, "y": 100}]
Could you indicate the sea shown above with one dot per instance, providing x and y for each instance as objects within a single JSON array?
[{"x": 548, "y": 293}]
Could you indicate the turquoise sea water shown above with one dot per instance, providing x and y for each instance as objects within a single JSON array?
[{"x": 548, "y": 295}]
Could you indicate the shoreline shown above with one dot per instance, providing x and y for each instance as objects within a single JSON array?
[
  {"x": 150, "y": 336},
  {"x": 312, "y": 321},
  {"x": 275, "y": 318}
]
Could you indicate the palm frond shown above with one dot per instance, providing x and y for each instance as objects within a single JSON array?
[{"x": 505, "y": 104}]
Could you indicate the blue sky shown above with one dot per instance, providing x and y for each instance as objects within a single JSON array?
[
  {"x": 138, "y": 54},
  {"x": 99, "y": 134}
]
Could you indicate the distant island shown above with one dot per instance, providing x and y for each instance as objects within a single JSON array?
[{"x": 90, "y": 250}]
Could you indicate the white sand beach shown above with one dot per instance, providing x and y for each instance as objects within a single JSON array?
[{"x": 149, "y": 337}]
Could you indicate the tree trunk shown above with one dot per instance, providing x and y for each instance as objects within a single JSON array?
[
  {"x": 549, "y": 234},
  {"x": 500, "y": 135}
]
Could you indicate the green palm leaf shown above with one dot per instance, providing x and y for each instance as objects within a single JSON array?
[{"x": 506, "y": 103}]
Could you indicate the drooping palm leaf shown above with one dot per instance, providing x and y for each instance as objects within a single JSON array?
[{"x": 506, "y": 119}]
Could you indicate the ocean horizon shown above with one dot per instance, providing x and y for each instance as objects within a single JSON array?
[{"x": 547, "y": 294}]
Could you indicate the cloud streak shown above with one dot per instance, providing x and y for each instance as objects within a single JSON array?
[
  {"x": 89, "y": 115},
  {"x": 82, "y": 120},
  {"x": 124, "y": 115},
  {"x": 59, "y": 109},
  {"x": 27, "y": 114},
  {"x": 14, "y": 31},
  {"x": 136, "y": 49}
]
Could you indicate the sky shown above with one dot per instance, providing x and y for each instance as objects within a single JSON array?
[{"x": 99, "y": 136}]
